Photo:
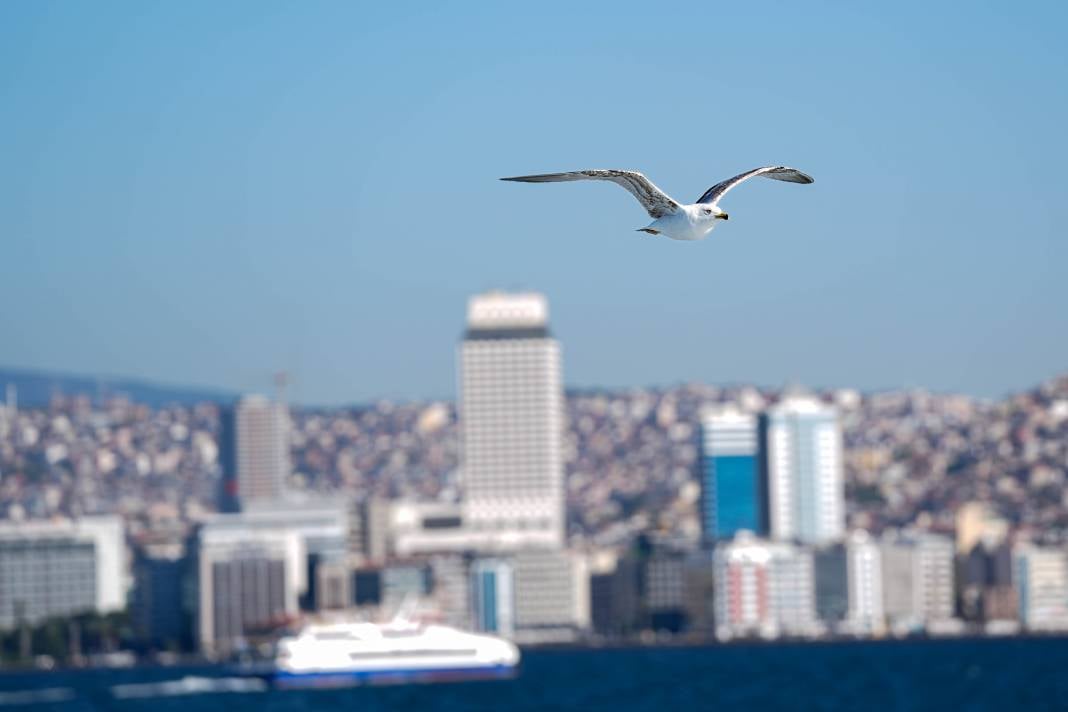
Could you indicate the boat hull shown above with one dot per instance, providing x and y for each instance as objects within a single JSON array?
[{"x": 349, "y": 678}]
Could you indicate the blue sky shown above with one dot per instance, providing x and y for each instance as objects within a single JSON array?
[{"x": 209, "y": 192}]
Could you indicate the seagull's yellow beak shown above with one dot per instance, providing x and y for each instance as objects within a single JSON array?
[{"x": 723, "y": 216}]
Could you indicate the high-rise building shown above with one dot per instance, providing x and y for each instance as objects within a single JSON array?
[
  {"x": 1041, "y": 579},
  {"x": 59, "y": 568},
  {"x": 254, "y": 452},
  {"x": 802, "y": 495},
  {"x": 493, "y": 596},
  {"x": 728, "y": 473},
  {"x": 511, "y": 411},
  {"x": 763, "y": 588}
]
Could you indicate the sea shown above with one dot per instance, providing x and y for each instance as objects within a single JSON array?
[{"x": 982, "y": 674}]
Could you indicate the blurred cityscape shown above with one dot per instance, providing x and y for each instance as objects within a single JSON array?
[{"x": 687, "y": 513}]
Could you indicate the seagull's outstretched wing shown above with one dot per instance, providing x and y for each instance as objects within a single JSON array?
[
  {"x": 655, "y": 201},
  {"x": 791, "y": 175}
]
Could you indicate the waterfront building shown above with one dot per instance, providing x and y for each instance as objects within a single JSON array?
[
  {"x": 763, "y": 588},
  {"x": 984, "y": 583},
  {"x": 247, "y": 584},
  {"x": 451, "y": 596},
  {"x": 865, "y": 584},
  {"x": 404, "y": 582},
  {"x": 493, "y": 596},
  {"x": 61, "y": 567},
  {"x": 1041, "y": 578},
  {"x": 917, "y": 580},
  {"x": 551, "y": 595},
  {"x": 254, "y": 569},
  {"x": 158, "y": 609}
]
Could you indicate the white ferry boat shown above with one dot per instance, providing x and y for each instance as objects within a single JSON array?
[{"x": 335, "y": 654}]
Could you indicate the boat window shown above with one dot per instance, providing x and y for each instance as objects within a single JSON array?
[{"x": 336, "y": 636}]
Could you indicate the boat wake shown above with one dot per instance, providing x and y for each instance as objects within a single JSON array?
[
  {"x": 189, "y": 685},
  {"x": 39, "y": 696}
]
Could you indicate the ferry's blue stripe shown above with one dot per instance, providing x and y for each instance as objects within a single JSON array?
[{"x": 293, "y": 679}]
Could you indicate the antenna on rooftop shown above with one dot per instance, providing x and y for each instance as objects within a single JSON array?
[{"x": 281, "y": 385}]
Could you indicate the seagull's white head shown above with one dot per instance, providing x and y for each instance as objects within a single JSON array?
[{"x": 710, "y": 213}]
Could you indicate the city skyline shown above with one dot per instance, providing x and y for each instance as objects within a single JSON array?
[
  {"x": 734, "y": 526},
  {"x": 207, "y": 195}
]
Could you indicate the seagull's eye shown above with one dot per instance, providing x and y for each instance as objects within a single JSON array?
[{"x": 708, "y": 212}]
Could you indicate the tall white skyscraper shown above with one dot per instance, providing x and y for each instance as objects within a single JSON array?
[
  {"x": 511, "y": 411},
  {"x": 801, "y": 482},
  {"x": 255, "y": 452}
]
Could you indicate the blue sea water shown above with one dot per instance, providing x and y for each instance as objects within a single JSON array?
[{"x": 909, "y": 675}]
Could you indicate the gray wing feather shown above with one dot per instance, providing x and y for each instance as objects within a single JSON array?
[
  {"x": 655, "y": 201},
  {"x": 791, "y": 175}
]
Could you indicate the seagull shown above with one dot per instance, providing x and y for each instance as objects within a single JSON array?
[{"x": 679, "y": 222}]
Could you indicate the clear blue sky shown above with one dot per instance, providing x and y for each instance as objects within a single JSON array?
[{"x": 208, "y": 192}]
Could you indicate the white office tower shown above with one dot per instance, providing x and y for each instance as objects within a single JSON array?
[
  {"x": 864, "y": 576},
  {"x": 764, "y": 589},
  {"x": 254, "y": 452},
  {"x": 512, "y": 423},
  {"x": 1040, "y": 575},
  {"x": 803, "y": 495},
  {"x": 60, "y": 568},
  {"x": 917, "y": 572}
]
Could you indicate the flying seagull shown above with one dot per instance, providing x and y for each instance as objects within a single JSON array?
[{"x": 679, "y": 222}]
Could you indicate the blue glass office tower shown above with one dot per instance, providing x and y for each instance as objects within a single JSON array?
[{"x": 729, "y": 500}]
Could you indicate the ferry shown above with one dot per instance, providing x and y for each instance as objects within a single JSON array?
[{"x": 402, "y": 651}]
